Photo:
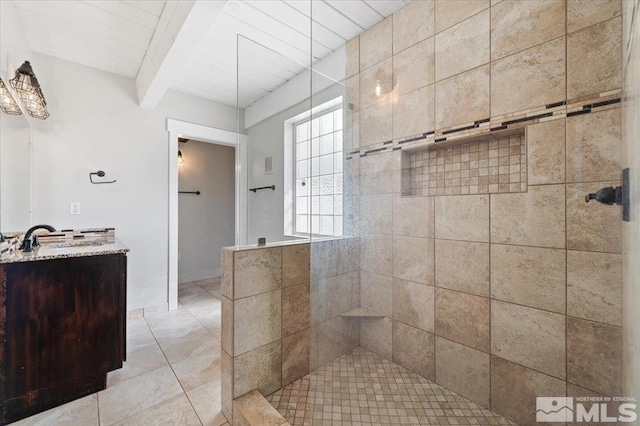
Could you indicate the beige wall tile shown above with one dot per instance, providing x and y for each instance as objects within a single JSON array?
[
  {"x": 449, "y": 13},
  {"x": 376, "y": 214},
  {"x": 376, "y": 43},
  {"x": 381, "y": 73},
  {"x": 257, "y": 271},
  {"x": 256, "y": 321},
  {"x": 514, "y": 389},
  {"x": 258, "y": 369},
  {"x": 376, "y": 174},
  {"x": 414, "y": 349},
  {"x": 594, "y": 286},
  {"x": 546, "y": 152},
  {"x": 376, "y": 335},
  {"x": 376, "y": 254},
  {"x": 463, "y": 266},
  {"x": 351, "y": 125},
  {"x": 463, "y": 217},
  {"x": 412, "y": 24},
  {"x": 529, "y": 276},
  {"x": 594, "y": 145},
  {"x": 336, "y": 294},
  {"x": 574, "y": 391},
  {"x": 583, "y": 13},
  {"x": 414, "y": 68},
  {"x": 517, "y": 25},
  {"x": 352, "y": 59},
  {"x": 226, "y": 285},
  {"x": 413, "y": 113},
  {"x": 529, "y": 337},
  {"x": 598, "y": 46},
  {"x": 592, "y": 226},
  {"x": 226, "y": 381},
  {"x": 463, "y": 370},
  {"x": 413, "y": 304},
  {"x": 463, "y": 46},
  {"x": 413, "y": 216},
  {"x": 295, "y": 356},
  {"x": 296, "y": 309},
  {"x": 324, "y": 259},
  {"x": 352, "y": 95},
  {"x": 537, "y": 75},
  {"x": 594, "y": 356},
  {"x": 332, "y": 339},
  {"x": 375, "y": 293},
  {"x": 471, "y": 89},
  {"x": 295, "y": 264},
  {"x": 227, "y": 325},
  {"x": 463, "y": 318},
  {"x": 413, "y": 259},
  {"x": 376, "y": 123},
  {"x": 533, "y": 218},
  {"x": 348, "y": 255}
]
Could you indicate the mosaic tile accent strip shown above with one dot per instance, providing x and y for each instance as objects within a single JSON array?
[
  {"x": 495, "y": 166},
  {"x": 362, "y": 388}
]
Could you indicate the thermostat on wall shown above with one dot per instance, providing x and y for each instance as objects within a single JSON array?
[{"x": 268, "y": 165}]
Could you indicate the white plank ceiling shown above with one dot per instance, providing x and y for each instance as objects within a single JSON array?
[
  {"x": 110, "y": 35},
  {"x": 283, "y": 26},
  {"x": 114, "y": 35}
]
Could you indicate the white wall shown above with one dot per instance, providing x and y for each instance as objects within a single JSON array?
[
  {"x": 266, "y": 208},
  {"x": 205, "y": 221},
  {"x": 96, "y": 124},
  {"x": 631, "y": 230},
  {"x": 14, "y": 130}
]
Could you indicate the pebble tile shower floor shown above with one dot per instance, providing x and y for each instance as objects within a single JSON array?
[{"x": 362, "y": 388}]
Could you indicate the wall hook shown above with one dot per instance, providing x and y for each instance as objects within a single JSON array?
[{"x": 99, "y": 173}]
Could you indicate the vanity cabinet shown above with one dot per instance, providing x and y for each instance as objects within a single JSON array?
[{"x": 62, "y": 328}]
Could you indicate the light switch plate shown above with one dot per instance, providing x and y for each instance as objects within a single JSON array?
[{"x": 74, "y": 207}]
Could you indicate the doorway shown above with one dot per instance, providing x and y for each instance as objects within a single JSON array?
[
  {"x": 181, "y": 129},
  {"x": 206, "y": 207}
]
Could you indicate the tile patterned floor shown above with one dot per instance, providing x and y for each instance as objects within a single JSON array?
[
  {"x": 172, "y": 373},
  {"x": 362, "y": 388}
]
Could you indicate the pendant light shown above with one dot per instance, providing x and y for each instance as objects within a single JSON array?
[
  {"x": 26, "y": 85},
  {"x": 8, "y": 105}
]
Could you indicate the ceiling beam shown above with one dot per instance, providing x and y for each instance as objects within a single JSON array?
[{"x": 182, "y": 25}]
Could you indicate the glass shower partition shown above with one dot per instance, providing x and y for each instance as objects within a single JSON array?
[{"x": 302, "y": 177}]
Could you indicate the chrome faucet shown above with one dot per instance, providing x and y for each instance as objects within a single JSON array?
[{"x": 27, "y": 243}]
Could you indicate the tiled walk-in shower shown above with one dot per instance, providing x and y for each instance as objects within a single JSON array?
[{"x": 361, "y": 387}]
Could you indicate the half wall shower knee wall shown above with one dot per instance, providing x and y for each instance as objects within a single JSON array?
[{"x": 467, "y": 252}]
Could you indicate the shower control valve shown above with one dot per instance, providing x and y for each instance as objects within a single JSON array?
[{"x": 608, "y": 195}]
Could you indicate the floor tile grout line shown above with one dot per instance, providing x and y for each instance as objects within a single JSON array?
[{"x": 174, "y": 372}]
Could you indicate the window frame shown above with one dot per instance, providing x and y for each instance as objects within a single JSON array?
[{"x": 290, "y": 175}]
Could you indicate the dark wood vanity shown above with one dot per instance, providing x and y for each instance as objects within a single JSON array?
[{"x": 62, "y": 328}]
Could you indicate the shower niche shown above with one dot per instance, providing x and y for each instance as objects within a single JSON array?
[{"x": 473, "y": 165}]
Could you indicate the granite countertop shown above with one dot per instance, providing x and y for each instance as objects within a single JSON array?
[{"x": 54, "y": 251}]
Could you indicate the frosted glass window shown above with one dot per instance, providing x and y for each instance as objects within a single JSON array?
[
  {"x": 302, "y": 151},
  {"x": 326, "y": 164},
  {"x": 302, "y": 223},
  {"x": 318, "y": 190},
  {"x": 326, "y": 185},
  {"x": 302, "y": 205},
  {"x": 326, "y": 144}
]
